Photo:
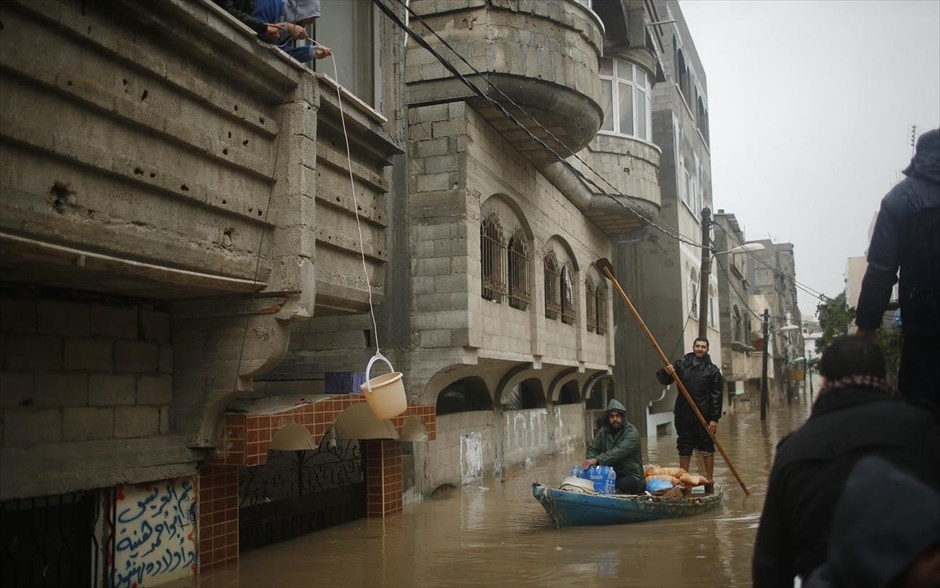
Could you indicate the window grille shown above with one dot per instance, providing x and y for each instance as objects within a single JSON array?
[
  {"x": 518, "y": 272},
  {"x": 552, "y": 287},
  {"x": 601, "y": 310},
  {"x": 590, "y": 298},
  {"x": 492, "y": 248},
  {"x": 568, "y": 310}
]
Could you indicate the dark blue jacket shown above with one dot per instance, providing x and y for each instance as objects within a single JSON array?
[{"x": 907, "y": 237}]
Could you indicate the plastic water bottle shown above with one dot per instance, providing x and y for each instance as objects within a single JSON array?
[
  {"x": 577, "y": 472},
  {"x": 611, "y": 480},
  {"x": 599, "y": 477}
]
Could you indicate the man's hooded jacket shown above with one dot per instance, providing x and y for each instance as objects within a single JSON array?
[{"x": 620, "y": 448}]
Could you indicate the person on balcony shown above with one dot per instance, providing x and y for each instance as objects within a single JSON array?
[
  {"x": 617, "y": 444},
  {"x": 907, "y": 238},
  {"x": 704, "y": 382},
  {"x": 281, "y": 23}
]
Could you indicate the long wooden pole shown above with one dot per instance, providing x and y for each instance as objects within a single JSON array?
[{"x": 608, "y": 270}]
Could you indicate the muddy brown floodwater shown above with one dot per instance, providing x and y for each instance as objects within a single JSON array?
[{"x": 495, "y": 534}]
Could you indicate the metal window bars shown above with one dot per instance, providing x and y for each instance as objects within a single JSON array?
[
  {"x": 492, "y": 250},
  {"x": 552, "y": 286},
  {"x": 589, "y": 297},
  {"x": 568, "y": 310},
  {"x": 601, "y": 307},
  {"x": 518, "y": 272}
]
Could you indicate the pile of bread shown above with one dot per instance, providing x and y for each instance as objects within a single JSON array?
[{"x": 681, "y": 480}]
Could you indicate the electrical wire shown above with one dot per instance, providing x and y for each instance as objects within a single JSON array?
[
  {"x": 616, "y": 196},
  {"x": 811, "y": 291}
]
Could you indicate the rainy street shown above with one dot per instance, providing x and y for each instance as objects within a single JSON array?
[{"x": 495, "y": 534}]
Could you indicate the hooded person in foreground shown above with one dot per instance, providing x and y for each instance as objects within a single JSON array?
[
  {"x": 617, "y": 444},
  {"x": 906, "y": 238},
  {"x": 885, "y": 532},
  {"x": 855, "y": 415}
]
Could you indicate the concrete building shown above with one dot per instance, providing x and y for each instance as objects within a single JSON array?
[
  {"x": 772, "y": 274},
  {"x": 189, "y": 261},
  {"x": 658, "y": 270},
  {"x": 493, "y": 308},
  {"x": 740, "y": 323},
  {"x": 174, "y": 197}
]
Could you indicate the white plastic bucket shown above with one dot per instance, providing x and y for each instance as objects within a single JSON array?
[{"x": 385, "y": 394}]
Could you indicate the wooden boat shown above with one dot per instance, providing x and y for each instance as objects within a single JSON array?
[{"x": 572, "y": 508}]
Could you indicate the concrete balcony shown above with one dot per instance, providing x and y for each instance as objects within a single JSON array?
[
  {"x": 623, "y": 189},
  {"x": 542, "y": 55},
  {"x": 162, "y": 152}
]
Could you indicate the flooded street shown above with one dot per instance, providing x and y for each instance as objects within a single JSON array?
[{"x": 496, "y": 534}]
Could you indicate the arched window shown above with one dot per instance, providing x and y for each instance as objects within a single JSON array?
[
  {"x": 492, "y": 247},
  {"x": 693, "y": 292},
  {"x": 568, "y": 311},
  {"x": 552, "y": 286},
  {"x": 518, "y": 272},
  {"x": 590, "y": 304},
  {"x": 601, "y": 306}
]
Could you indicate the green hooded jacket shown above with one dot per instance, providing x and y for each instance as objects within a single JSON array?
[{"x": 620, "y": 449}]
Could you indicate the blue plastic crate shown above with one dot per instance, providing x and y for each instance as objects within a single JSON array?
[{"x": 344, "y": 382}]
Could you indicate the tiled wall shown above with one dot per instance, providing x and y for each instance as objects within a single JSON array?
[
  {"x": 245, "y": 442},
  {"x": 383, "y": 477},
  {"x": 246, "y": 437},
  {"x": 218, "y": 516}
]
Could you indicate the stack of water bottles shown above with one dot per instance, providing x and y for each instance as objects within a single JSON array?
[{"x": 603, "y": 477}]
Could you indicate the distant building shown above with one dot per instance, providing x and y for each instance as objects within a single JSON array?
[
  {"x": 740, "y": 323},
  {"x": 772, "y": 274},
  {"x": 660, "y": 272}
]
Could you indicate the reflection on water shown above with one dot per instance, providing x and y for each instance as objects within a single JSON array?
[{"x": 496, "y": 534}]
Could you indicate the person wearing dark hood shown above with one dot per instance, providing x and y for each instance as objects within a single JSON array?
[
  {"x": 855, "y": 415},
  {"x": 281, "y": 23},
  {"x": 704, "y": 382},
  {"x": 884, "y": 534},
  {"x": 617, "y": 444},
  {"x": 907, "y": 238}
]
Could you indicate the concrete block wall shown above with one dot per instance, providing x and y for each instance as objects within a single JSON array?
[
  {"x": 525, "y": 433},
  {"x": 569, "y": 429},
  {"x": 76, "y": 371},
  {"x": 443, "y": 457},
  {"x": 508, "y": 439}
]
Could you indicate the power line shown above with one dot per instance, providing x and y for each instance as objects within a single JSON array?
[
  {"x": 669, "y": 231},
  {"x": 811, "y": 291},
  {"x": 625, "y": 203}
]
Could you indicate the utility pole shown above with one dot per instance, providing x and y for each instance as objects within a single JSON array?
[
  {"x": 763, "y": 371},
  {"x": 706, "y": 269}
]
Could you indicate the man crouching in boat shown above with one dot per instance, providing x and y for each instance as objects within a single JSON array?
[{"x": 617, "y": 444}]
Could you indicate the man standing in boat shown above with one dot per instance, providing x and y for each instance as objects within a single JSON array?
[
  {"x": 704, "y": 382},
  {"x": 617, "y": 444}
]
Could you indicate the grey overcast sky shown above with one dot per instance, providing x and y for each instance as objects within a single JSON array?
[{"x": 810, "y": 111}]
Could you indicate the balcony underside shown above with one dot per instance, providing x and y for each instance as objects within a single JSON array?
[
  {"x": 35, "y": 262},
  {"x": 616, "y": 215},
  {"x": 544, "y": 109}
]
